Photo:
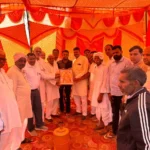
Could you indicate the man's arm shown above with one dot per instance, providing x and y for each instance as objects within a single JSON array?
[{"x": 140, "y": 123}]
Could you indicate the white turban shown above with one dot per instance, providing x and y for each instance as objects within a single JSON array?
[
  {"x": 99, "y": 54},
  {"x": 17, "y": 56}
]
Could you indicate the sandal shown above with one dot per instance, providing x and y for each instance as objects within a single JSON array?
[{"x": 26, "y": 140}]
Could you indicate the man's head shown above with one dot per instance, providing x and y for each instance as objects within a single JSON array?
[
  {"x": 98, "y": 58},
  {"x": 43, "y": 55},
  {"x": 20, "y": 60},
  {"x": 146, "y": 56},
  {"x": 131, "y": 80},
  {"x": 136, "y": 53},
  {"x": 91, "y": 59},
  {"x": 76, "y": 51},
  {"x": 31, "y": 58},
  {"x": 65, "y": 54},
  {"x": 37, "y": 51},
  {"x": 55, "y": 53},
  {"x": 50, "y": 59},
  {"x": 87, "y": 53},
  {"x": 108, "y": 50},
  {"x": 117, "y": 52},
  {"x": 2, "y": 59}
]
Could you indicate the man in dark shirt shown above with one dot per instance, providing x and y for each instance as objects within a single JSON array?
[{"x": 65, "y": 63}]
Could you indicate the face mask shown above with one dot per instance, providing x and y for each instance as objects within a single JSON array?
[{"x": 116, "y": 57}]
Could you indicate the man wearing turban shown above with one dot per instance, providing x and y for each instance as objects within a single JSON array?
[{"x": 22, "y": 92}]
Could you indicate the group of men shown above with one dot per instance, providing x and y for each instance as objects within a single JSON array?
[{"x": 32, "y": 88}]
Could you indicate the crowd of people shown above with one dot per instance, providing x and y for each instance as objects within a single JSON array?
[{"x": 117, "y": 92}]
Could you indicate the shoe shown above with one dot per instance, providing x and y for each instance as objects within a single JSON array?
[
  {"x": 99, "y": 127},
  {"x": 76, "y": 114},
  {"x": 26, "y": 140},
  {"x": 91, "y": 115},
  {"x": 109, "y": 135},
  {"x": 33, "y": 133},
  {"x": 55, "y": 116},
  {"x": 19, "y": 148},
  {"x": 83, "y": 117},
  {"x": 49, "y": 120},
  {"x": 42, "y": 128}
]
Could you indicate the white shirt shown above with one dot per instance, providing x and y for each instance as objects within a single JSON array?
[
  {"x": 114, "y": 72},
  {"x": 33, "y": 75}
]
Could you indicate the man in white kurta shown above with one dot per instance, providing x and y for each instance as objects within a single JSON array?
[
  {"x": 100, "y": 98},
  {"x": 52, "y": 89},
  {"x": 22, "y": 91},
  {"x": 8, "y": 111},
  {"x": 146, "y": 59},
  {"x": 41, "y": 64},
  {"x": 80, "y": 86}
]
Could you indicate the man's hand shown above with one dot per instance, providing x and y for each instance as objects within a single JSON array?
[
  {"x": 57, "y": 75},
  {"x": 100, "y": 97}
]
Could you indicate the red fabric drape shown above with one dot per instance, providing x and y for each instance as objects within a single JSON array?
[
  {"x": 2, "y": 17},
  {"x": 60, "y": 43},
  {"x": 38, "y": 15},
  {"x": 109, "y": 21},
  {"x": 16, "y": 34},
  {"x": 138, "y": 15},
  {"x": 39, "y": 31},
  {"x": 76, "y": 23},
  {"x": 15, "y": 16},
  {"x": 5, "y": 67},
  {"x": 95, "y": 45},
  {"x": 118, "y": 38},
  {"x": 148, "y": 35},
  {"x": 56, "y": 19},
  {"x": 124, "y": 20}
]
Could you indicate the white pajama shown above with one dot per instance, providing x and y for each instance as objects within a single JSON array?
[
  {"x": 78, "y": 100},
  {"x": 52, "y": 108}
]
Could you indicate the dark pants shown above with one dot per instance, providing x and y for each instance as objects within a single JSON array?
[
  {"x": 37, "y": 110},
  {"x": 67, "y": 89},
  {"x": 115, "y": 104}
]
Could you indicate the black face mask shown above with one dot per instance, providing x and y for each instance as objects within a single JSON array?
[{"x": 116, "y": 57}]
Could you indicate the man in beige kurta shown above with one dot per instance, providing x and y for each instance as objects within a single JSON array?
[
  {"x": 8, "y": 111},
  {"x": 22, "y": 91},
  {"x": 79, "y": 89}
]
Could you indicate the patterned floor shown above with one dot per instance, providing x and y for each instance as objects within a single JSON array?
[{"x": 82, "y": 136}]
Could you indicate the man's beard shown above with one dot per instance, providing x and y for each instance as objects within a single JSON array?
[{"x": 116, "y": 57}]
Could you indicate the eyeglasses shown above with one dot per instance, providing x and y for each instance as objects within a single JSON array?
[{"x": 3, "y": 59}]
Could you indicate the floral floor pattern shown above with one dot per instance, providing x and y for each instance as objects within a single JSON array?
[{"x": 82, "y": 135}]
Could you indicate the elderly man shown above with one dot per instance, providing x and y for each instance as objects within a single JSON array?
[
  {"x": 22, "y": 92},
  {"x": 9, "y": 134},
  {"x": 136, "y": 54},
  {"x": 134, "y": 127},
  {"x": 41, "y": 64},
  {"x": 52, "y": 89},
  {"x": 80, "y": 86},
  {"x": 100, "y": 99}
]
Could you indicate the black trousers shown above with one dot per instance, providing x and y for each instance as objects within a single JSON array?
[
  {"x": 37, "y": 110},
  {"x": 115, "y": 104},
  {"x": 67, "y": 89}
]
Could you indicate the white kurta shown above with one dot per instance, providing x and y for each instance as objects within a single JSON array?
[
  {"x": 41, "y": 64},
  {"x": 52, "y": 90},
  {"x": 22, "y": 92},
  {"x": 100, "y": 84},
  {"x": 80, "y": 68},
  {"x": 9, "y": 112}
]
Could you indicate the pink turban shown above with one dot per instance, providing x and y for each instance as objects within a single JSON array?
[
  {"x": 17, "y": 56},
  {"x": 99, "y": 54}
]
